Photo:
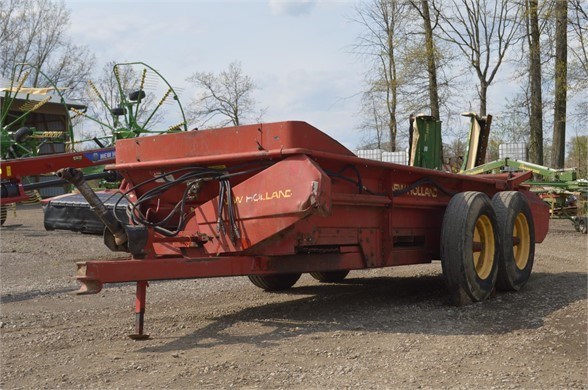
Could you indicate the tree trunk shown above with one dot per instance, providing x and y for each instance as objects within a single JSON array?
[
  {"x": 536, "y": 119},
  {"x": 561, "y": 65},
  {"x": 392, "y": 129},
  {"x": 483, "y": 94},
  {"x": 392, "y": 86},
  {"x": 392, "y": 108},
  {"x": 431, "y": 64}
]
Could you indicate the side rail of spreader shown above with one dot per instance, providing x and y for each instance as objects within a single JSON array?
[{"x": 13, "y": 171}]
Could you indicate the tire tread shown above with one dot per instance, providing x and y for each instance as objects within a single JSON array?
[{"x": 277, "y": 282}]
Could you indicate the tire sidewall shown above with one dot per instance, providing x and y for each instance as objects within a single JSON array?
[
  {"x": 510, "y": 276},
  {"x": 457, "y": 238},
  {"x": 480, "y": 288}
]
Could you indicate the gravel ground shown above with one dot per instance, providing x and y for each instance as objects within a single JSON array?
[{"x": 388, "y": 328}]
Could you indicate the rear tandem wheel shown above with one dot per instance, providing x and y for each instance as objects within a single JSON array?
[
  {"x": 329, "y": 276},
  {"x": 517, "y": 234},
  {"x": 277, "y": 282},
  {"x": 469, "y": 247}
]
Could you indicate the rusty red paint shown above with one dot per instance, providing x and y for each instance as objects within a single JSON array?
[
  {"x": 50, "y": 163},
  {"x": 14, "y": 170},
  {"x": 309, "y": 205}
]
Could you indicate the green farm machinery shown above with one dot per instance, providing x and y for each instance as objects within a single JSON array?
[
  {"x": 36, "y": 125},
  {"x": 566, "y": 195},
  {"x": 132, "y": 110},
  {"x": 33, "y": 120}
]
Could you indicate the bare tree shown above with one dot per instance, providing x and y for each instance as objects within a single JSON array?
[
  {"x": 530, "y": 107},
  {"x": 536, "y": 117},
  {"x": 483, "y": 31},
  {"x": 578, "y": 64},
  {"x": 579, "y": 27},
  {"x": 374, "y": 120},
  {"x": 382, "y": 21},
  {"x": 431, "y": 55},
  {"x": 228, "y": 95},
  {"x": 34, "y": 32},
  {"x": 561, "y": 69}
]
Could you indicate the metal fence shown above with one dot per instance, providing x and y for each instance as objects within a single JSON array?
[{"x": 380, "y": 155}]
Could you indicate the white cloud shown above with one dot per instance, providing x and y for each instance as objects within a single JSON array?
[
  {"x": 300, "y": 66},
  {"x": 291, "y": 7},
  {"x": 323, "y": 98}
]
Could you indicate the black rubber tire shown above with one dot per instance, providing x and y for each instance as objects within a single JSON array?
[
  {"x": 136, "y": 95},
  {"x": 3, "y": 214},
  {"x": 278, "y": 282},
  {"x": 515, "y": 222},
  {"x": 22, "y": 134},
  {"x": 330, "y": 276},
  {"x": 118, "y": 111},
  {"x": 469, "y": 214},
  {"x": 582, "y": 226}
]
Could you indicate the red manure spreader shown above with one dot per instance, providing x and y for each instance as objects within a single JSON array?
[{"x": 273, "y": 201}]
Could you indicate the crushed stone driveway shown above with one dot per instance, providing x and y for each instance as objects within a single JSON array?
[{"x": 385, "y": 328}]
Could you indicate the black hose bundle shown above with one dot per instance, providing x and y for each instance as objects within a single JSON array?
[
  {"x": 225, "y": 192},
  {"x": 192, "y": 178}
]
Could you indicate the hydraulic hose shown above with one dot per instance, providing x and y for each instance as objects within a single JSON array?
[{"x": 76, "y": 177}]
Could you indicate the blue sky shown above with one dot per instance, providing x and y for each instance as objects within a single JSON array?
[{"x": 297, "y": 52}]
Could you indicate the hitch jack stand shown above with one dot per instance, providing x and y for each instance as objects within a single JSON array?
[{"x": 140, "y": 311}]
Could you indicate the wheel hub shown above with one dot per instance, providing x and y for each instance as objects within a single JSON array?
[
  {"x": 521, "y": 241},
  {"x": 483, "y": 247}
]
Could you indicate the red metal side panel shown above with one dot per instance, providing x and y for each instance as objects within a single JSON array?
[
  {"x": 540, "y": 211},
  {"x": 301, "y": 135},
  {"x": 266, "y": 204},
  {"x": 230, "y": 141}
]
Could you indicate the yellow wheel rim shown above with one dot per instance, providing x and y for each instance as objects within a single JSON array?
[
  {"x": 483, "y": 247},
  {"x": 521, "y": 241}
]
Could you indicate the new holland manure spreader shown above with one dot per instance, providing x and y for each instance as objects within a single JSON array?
[{"x": 273, "y": 201}]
